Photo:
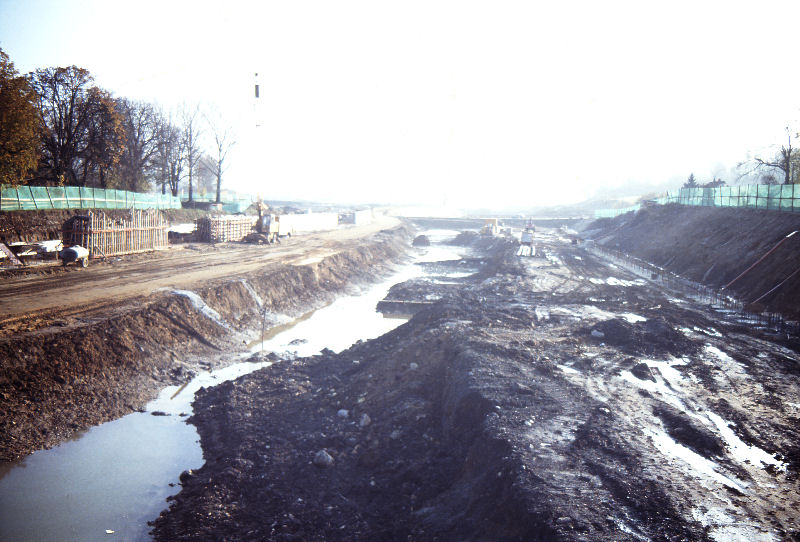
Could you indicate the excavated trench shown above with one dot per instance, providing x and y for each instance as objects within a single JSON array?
[
  {"x": 123, "y": 470},
  {"x": 555, "y": 398}
]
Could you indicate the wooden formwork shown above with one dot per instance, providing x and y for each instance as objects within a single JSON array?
[
  {"x": 219, "y": 229},
  {"x": 143, "y": 231}
]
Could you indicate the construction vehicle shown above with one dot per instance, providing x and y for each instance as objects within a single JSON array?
[
  {"x": 490, "y": 227},
  {"x": 527, "y": 247}
]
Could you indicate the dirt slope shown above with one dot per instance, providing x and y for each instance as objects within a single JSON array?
[
  {"x": 539, "y": 399},
  {"x": 55, "y": 289},
  {"x": 67, "y": 368},
  {"x": 713, "y": 246}
]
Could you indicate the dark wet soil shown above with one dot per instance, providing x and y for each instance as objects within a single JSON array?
[{"x": 495, "y": 414}]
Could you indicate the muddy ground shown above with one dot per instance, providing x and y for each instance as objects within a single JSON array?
[
  {"x": 81, "y": 360},
  {"x": 556, "y": 398}
]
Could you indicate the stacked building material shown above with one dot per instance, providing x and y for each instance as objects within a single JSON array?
[{"x": 221, "y": 228}]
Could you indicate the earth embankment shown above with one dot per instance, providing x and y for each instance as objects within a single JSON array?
[
  {"x": 555, "y": 398},
  {"x": 65, "y": 370},
  {"x": 713, "y": 246}
]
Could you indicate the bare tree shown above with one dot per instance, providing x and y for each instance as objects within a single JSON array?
[
  {"x": 171, "y": 157},
  {"x": 223, "y": 141},
  {"x": 206, "y": 181},
  {"x": 143, "y": 123},
  {"x": 192, "y": 132},
  {"x": 786, "y": 160}
]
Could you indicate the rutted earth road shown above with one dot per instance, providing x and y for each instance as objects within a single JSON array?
[
  {"x": 27, "y": 298},
  {"x": 557, "y": 398}
]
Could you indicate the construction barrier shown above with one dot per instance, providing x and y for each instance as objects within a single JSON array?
[
  {"x": 777, "y": 197},
  {"x": 774, "y": 197},
  {"x": 222, "y": 228},
  {"x": 37, "y": 198},
  {"x": 142, "y": 231}
]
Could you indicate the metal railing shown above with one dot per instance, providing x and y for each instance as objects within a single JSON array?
[{"x": 721, "y": 302}]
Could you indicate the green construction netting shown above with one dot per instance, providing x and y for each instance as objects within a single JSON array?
[
  {"x": 782, "y": 197},
  {"x": 29, "y": 198},
  {"x": 760, "y": 196}
]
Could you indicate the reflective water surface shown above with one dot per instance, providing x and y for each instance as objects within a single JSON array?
[{"x": 116, "y": 476}]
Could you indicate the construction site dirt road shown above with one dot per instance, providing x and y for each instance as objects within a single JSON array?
[{"x": 30, "y": 298}]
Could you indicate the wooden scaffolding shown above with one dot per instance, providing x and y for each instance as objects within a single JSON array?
[{"x": 141, "y": 231}]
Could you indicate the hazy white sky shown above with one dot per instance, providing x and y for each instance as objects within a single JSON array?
[{"x": 476, "y": 103}]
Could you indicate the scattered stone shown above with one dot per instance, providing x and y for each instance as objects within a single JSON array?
[
  {"x": 365, "y": 420},
  {"x": 413, "y": 366},
  {"x": 298, "y": 341},
  {"x": 395, "y": 434},
  {"x": 159, "y": 413},
  {"x": 323, "y": 459},
  {"x": 343, "y": 413},
  {"x": 642, "y": 372},
  {"x": 598, "y": 334}
]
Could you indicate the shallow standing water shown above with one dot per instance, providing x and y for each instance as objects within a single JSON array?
[{"x": 109, "y": 481}]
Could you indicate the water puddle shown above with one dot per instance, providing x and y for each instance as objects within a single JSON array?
[{"x": 116, "y": 476}]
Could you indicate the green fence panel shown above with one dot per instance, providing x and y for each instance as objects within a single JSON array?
[
  {"x": 30, "y": 198},
  {"x": 758, "y": 196}
]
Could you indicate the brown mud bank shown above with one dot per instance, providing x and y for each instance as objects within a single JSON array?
[
  {"x": 713, "y": 246},
  {"x": 72, "y": 370},
  {"x": 533, "y": 400}
]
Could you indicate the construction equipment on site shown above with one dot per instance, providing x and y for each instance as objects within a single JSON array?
[
  {"x": 75, "y": 253},
  {"x": 490, "y": 227},
  {"x": 526, "y": 246}
]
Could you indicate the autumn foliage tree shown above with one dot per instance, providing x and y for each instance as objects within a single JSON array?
[
  {"x": 19, "y": 138},
  {"x": 58, "y": 128},
  {"x": 81, "y": 130}
]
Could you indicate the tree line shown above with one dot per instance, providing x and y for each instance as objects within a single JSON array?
[{"x": 58, "y": 128}]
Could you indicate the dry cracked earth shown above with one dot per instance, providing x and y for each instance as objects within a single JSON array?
[{"x": 549, "y": 398}]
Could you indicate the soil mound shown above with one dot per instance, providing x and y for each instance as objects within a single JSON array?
[
  {"x": 689, "y": 433},
  {"x": 653, "y": 336},
  {"x": 421, "y": 241}
]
